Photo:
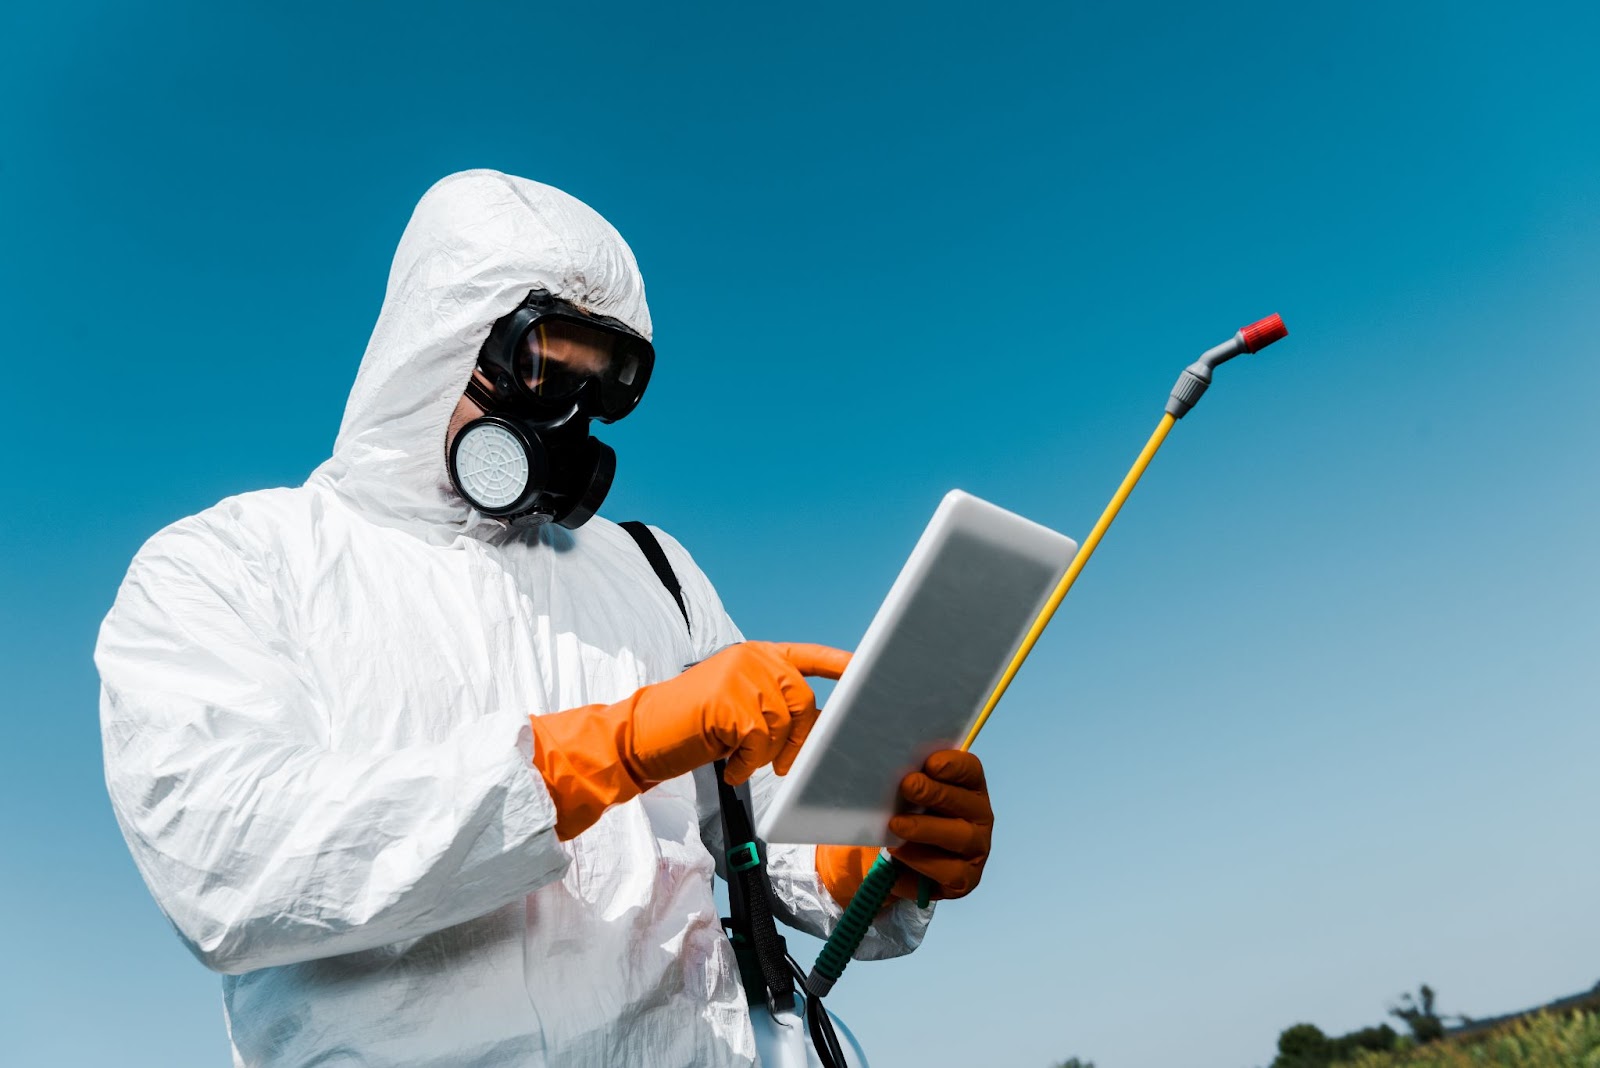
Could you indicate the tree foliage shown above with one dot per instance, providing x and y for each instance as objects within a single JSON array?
[
  {"x": 1305, "y": 1046},
  {"x": 1417, "y": 1013}
]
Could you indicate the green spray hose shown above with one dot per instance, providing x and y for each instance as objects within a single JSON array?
[
  {"x": 874, "y": 890},
  {"x": 852, "y": 926}
]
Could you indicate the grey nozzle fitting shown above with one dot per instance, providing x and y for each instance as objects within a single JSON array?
[
  {"x": 1192, "y": 383},
  {"x": 1190, "y": 388}
]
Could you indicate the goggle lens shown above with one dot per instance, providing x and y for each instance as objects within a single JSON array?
[{"x": 558, "y": 356}]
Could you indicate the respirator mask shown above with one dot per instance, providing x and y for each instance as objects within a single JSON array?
[{"x": 546, "y": 370}]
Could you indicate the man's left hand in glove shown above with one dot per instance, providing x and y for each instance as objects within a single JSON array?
[{"x": 947, "y": 835}]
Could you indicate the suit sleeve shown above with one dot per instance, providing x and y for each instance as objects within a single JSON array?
[
  {"x": 263, "y": 844},
  {"x": 803, "y": 902}
]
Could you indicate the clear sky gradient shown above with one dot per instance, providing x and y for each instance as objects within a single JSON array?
[{"x": 1319, "y": 723}]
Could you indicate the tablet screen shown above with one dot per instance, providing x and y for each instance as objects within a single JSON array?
[{"x": 930, "y": 658}]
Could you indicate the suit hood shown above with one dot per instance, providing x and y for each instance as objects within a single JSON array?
[{"x": 476, "y": 244}]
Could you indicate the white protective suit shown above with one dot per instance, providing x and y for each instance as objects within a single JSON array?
[{"x": 315, "y": 706}]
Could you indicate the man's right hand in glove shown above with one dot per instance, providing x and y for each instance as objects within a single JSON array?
[{"x": 749, "y": 703}]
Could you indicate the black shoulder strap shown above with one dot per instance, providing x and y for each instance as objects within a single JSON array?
[
  {"x": 761, "y": 952},
  {"x": 759, "y": 948},
  {"x": 645, "y": 538}
]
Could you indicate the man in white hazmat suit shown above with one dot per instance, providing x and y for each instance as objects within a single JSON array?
[{"x": 415, "y": 778}]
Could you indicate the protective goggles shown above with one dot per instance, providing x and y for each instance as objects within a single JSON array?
[{"x": 553, "y": 357}]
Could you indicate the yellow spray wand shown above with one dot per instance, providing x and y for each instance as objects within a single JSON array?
[{"x": 874, "y": 890}]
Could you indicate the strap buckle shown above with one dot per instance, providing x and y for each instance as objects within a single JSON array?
[{"x": 744, "y": 856}]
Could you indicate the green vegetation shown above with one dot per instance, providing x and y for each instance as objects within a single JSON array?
[
  {"x": 1564, "y": 1034},
  {"x": 1543, "y": 1040},
  {"x": 1305, "y": 1046}
]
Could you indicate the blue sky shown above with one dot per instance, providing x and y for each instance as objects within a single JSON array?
[{"x": 1319, "y": 722}]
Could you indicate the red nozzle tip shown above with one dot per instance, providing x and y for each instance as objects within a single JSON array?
[{"x": 1259, "y": 335}]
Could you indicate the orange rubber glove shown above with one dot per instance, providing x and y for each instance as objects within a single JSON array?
[
  {"x": 748, "y": 703},
  {"x": 948, "y": 841}
]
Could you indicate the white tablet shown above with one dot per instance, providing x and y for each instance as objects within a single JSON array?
[{"x": 932, "y": 655}]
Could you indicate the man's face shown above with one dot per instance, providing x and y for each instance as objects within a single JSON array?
[{"x": 466, "y": 411}]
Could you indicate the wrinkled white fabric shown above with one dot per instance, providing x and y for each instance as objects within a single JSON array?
[{"x": 314, "y": 713}]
